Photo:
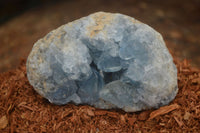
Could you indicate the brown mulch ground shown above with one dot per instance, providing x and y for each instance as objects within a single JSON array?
[{"x": 23, "y": 110}]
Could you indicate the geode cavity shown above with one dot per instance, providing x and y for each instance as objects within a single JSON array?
[{"x": 105, "y": 60}]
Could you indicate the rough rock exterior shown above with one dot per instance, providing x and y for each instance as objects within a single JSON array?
[{"x": 105, "y": 60}]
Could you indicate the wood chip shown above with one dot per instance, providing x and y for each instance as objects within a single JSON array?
[
  {"x": 122, "y": 118},
  {"x": 163, "y": 110},
  {"x": 113, "y": 114},
  {"x": 90, "y": 112},
  {"x": 196, "y": 80},
  {"x": 180, "y": 122},
  {"x": 132, "y": 120},
  {"x": 27, "y": 107},
  {"x": 144, "y": 115},
  {"x": 3, "y": 122},
  {"x": 100, "y": 112},
  {"x": 66, "y": 113},
  {"x": 186, "y": 116}
]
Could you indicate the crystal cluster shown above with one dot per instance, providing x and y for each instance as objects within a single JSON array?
[{"x": 105, "y": 60}]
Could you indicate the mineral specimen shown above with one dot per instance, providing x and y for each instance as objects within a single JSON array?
[{"x": 105, "y": 60}]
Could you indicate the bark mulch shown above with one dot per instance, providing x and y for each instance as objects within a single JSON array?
[{"x": 23, "y": 110}]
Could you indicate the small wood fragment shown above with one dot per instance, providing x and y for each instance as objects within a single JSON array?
[
  {"x": 143, "y": 115},
  {"x": 180, "y": 122},
  {"x": 122, "y": 118},
  {"x": 3, "y": 122},
  {"x": 90, "y": 112},
  {"x": 100, "y": 112},
  {"x": 196, "y": 80},
  {"x": 186, "y": 116},
  {"x": 163, "y": 110},
  {"x": 113, "y": 114},
  {"x": 132, "y": 120}
]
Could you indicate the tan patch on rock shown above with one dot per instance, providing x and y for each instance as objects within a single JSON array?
[
  {"x": 101, "y": 19},
  {"x": 135, "y": 21}
]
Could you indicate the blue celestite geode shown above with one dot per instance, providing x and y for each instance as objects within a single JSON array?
[{"x": 107, "y": 60}]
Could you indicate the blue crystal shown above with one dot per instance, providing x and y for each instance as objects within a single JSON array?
[
  {"x": 105, "y": 60},
  {"x": 89, "y": 89}
]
